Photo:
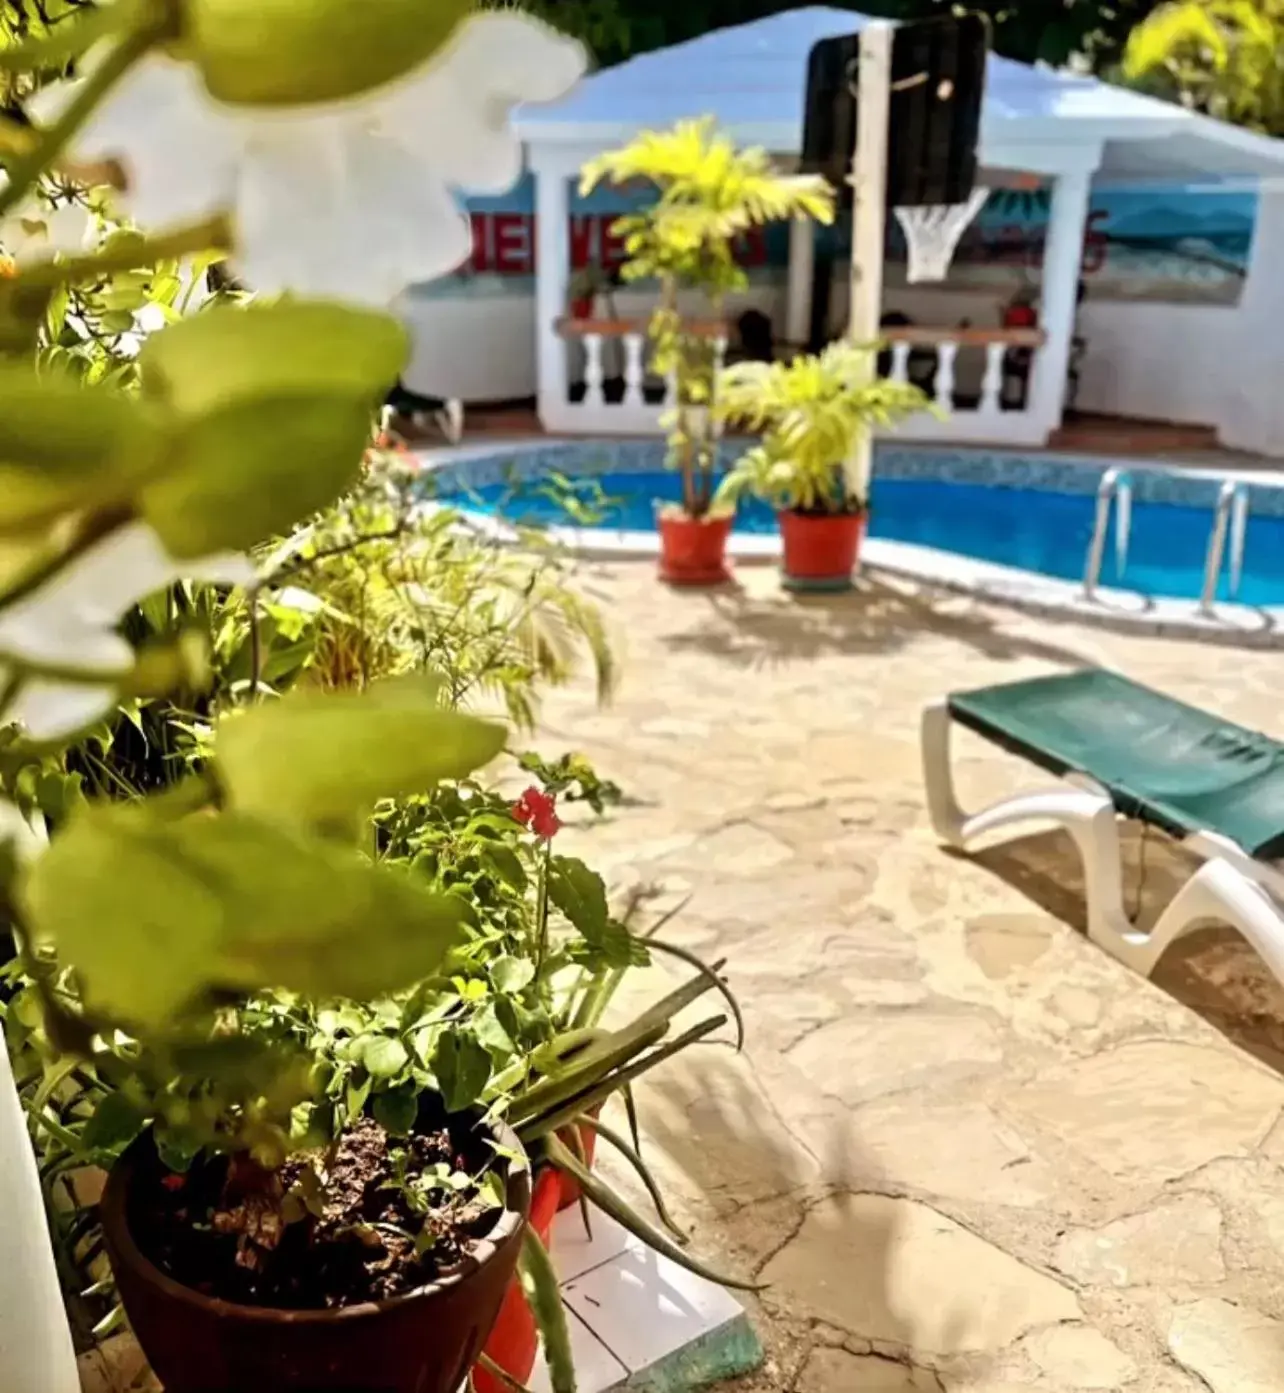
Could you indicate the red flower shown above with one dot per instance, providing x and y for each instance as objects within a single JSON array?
[
  {"x": 537, "y": 810},
  {"x": 173, "y": 1182}
]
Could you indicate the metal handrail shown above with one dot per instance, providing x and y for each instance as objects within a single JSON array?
[
  {"x": 1116, "y": 488},
  {"x": 1230, "y": 517}
]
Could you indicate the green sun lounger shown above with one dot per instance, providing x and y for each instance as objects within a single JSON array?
[{"x": 1126, "y": 750}]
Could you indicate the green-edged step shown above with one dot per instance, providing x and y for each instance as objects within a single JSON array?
[{"x": 1161, "y": 761}]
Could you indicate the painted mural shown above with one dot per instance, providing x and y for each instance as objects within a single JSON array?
[{"x": 1158, "y": 243}]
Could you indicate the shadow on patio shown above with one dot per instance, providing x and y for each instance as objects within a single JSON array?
[
  {"x": 881, "y": 615},
  {"x": 807, "y": 1213}
]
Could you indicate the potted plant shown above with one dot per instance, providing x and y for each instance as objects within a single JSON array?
[
  {"x": 811, "y": 412},
  {"x": 587, "y": 284},
  {"x": 709, "y": 194},
  {"x": 266, "y": 1230}
]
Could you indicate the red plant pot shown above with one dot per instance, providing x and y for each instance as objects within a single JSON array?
[
  {"x": 514, "y": 1338},
  {"x": 820, "y": 549},
  {"x": 693, "y": 551},
  {"x": 582, "y": 306}
]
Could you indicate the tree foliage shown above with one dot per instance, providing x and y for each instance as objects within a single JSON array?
[
  {"x": 1223, "y": 57},
  {"x": 1050, "y": 31}
]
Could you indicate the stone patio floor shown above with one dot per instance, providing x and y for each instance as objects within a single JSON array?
[{"x": 965, "y": 1149}]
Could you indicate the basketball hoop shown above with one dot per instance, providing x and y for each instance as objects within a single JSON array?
[{"x": 932, "y": 234}]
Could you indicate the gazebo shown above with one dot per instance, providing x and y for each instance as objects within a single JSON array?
[{"x": 1059, "y": 128}]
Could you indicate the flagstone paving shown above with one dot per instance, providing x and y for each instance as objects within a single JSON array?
[{"x": 966, "y": 1151}]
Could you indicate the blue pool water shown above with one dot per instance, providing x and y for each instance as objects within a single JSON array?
[{"x": 1033, "y": 529}]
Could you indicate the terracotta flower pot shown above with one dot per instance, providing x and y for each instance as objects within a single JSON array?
[
  {"x": 514, "y": 1340},
  {"x": 423, "y": 1342},
  {"x": 693, "y": 550},
  {"x": 820, "y": 549}
]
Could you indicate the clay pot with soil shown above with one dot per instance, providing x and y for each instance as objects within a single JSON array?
[{"x": 372, "y": 1289}]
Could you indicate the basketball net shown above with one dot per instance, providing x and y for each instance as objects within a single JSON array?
[{"x": 933, "y": 233}]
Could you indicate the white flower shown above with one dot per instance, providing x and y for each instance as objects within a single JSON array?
[
  {"x": 41, "y": 232},
  {"x": 68, "y": 626},
  {"x": 352, "y": 199}
]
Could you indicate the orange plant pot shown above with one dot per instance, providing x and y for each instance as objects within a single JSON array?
[
  {"x": 693, "y": 551},
  {"x": 513, "y": 1341},
  {"x": 820, "y": 550}
]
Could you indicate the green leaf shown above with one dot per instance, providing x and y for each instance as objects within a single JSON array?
[
  {"x": 156, "y": 915},
  {"x": 115, "y": 1123},
  {"x": 496, "y": 1034},
  {"x": 397, "y": 1110},
  {"x": 462, "y": 1066},
  {"x": 64, "y": 446},
  {"x": 384, "y": 1057},
  {"x": 322, "y": 51},
  {"x": 580, "y": 894},
  {"x": 544, "y": 1295},
  {"x": 270, "y": 411},
  {"x": 511, "y": 974},
  {"x": 292, "y": 349},
  {"x": 325, "y": 756},
  {"x": 242, "y": 477}
]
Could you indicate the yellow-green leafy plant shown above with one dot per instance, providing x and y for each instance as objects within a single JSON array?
[
  {"x": 810, "y": 413},
  {"x": 167, "y": 940},
  {"x": 708, "y": 194},
  {"x": 1223, "y": 57},
  {"x": 397, "y": 588}
]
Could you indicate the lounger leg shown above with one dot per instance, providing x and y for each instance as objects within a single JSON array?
[
  {"x": 938, "y": 778},
  {"x": 1218, "y": 892},
  {"x": 1088, "y": 816}
]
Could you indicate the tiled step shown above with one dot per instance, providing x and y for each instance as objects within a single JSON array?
[{"x": 638, "y": 1320}]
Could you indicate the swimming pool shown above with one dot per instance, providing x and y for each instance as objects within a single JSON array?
[{"x": 1032, "y": 514}]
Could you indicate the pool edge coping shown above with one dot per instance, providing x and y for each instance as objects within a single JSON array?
[{"x": 1032, "y": 592}]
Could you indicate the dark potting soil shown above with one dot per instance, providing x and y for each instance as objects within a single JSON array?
[{"x": 234, "y": 1231}]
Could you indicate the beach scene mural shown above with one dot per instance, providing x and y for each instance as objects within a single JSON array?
[{"x": 1170, "y": 243}]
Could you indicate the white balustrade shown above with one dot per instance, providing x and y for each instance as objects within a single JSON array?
[
  {"x": 640, "y": 408},
  {"x": 634, "y": 369},
  {"x": 992, "y": 382},
  {"x": 900, "y": 360},
  {"x": 594, "y": 376},
  {"x": 947, "y": 352}
]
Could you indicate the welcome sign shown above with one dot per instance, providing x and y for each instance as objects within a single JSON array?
[{"x": 1158, "y": 243}]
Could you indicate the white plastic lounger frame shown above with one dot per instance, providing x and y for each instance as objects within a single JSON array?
[{"x": 1230, "y": 887}]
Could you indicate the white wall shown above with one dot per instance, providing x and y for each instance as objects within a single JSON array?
[{"x": 1210, "y": 365}]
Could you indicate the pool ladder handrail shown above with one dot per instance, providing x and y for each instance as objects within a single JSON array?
[
  {"x": 1116, "y": 488},
  {"x": 1230, "y": 517}
]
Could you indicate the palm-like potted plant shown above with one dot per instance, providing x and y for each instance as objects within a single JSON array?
[
  {"x": 710, "y": 193},
  {"x": 811, "y": 413}
]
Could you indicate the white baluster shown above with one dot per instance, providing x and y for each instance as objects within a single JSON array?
[
  {"x": 633, "y": 372},
  {"x": 900, "y": 360},
  {"x": 947, "y": 352},
  {"x": 992, "y": 382},
  {"x": 593, "y": 374}
]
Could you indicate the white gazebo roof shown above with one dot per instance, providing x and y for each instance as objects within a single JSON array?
[{"x": 751, "y": 79}]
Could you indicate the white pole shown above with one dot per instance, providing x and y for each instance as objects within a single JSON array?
[
  {"x": 36, "y": 1354},
  {"x": 869, "y": 217},
  {"x": 802, "y": 267}
]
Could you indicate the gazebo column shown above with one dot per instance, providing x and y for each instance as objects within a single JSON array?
[
  {"x": 1062, "y": 270},
  {"x": 553, "y": 169},
  {"x": 802, "y": 262}
]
